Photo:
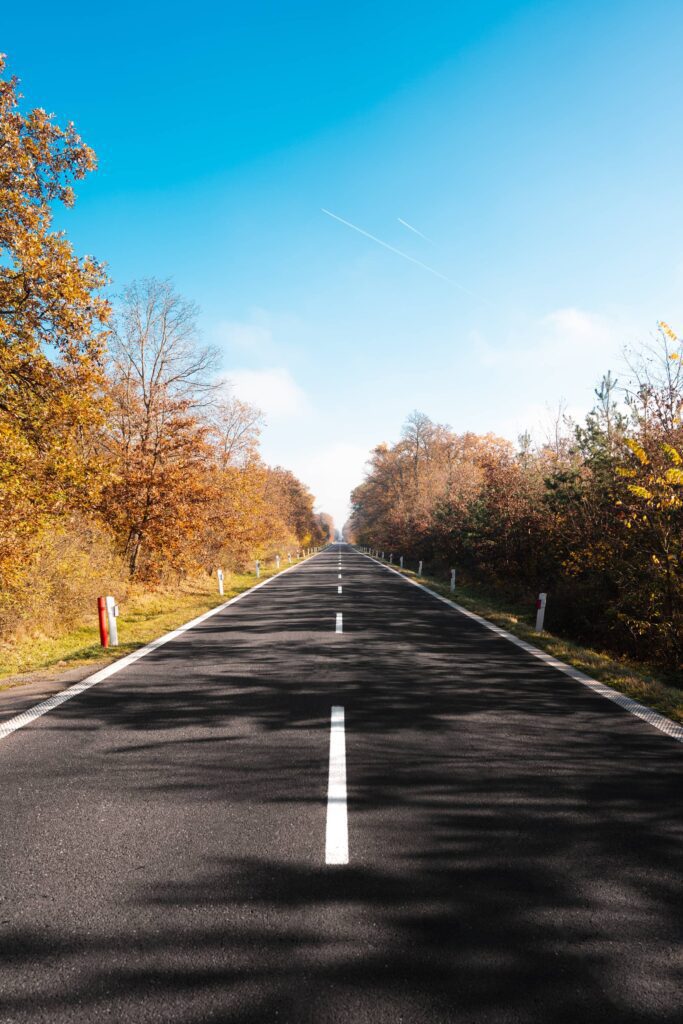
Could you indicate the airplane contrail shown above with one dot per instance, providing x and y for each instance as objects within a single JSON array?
[
  {"x": 391, "y": 248},
  {"x": 411, "y": 228}
]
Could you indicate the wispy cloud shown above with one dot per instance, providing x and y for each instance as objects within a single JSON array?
[
  {"x": 411, "y": 228},
  {"x": 262, "y": 336},
  {"x": 559, "y": 340},
  {"x": 578, "y": 333},
  {"x": 391, "y": 248},
  {"x": 272, "y": 390},
  {"x": 247, "y": 337}
]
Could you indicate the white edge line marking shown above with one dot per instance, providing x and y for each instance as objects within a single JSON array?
[
  {"x": 337, "y": 828},
  {"x": 653, "y": 718},
  {"x": 339, "y": 627},
  {"x": 31, "y": 714}
]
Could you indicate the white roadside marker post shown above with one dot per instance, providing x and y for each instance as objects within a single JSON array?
[
  {"x": 419, "y": 569},
  {"x": 277, "y": 561},
  {"x": 219, "y": 576},
  {"x": 452, "y": 580},
  {"x": 401, "y": 560},
  {"x": 258, "y": 569},
  {"x": 112, "y": 615},
  {"x": 540, "y": 612},
  {"x": 382, "y": 556},
  {"x": 391, "y": 559}
]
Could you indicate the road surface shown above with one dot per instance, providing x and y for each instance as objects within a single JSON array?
[{"x": 340, "y": 806}]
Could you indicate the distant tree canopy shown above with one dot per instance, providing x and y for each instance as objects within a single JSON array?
[{"x": 594, "y": 514}]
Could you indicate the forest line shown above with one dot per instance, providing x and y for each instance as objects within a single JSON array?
[
  {"x": 593, "y": 515},
  {"x": 125, "y": 460}
]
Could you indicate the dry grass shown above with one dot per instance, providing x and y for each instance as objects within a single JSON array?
[{"x": 641, "y": 682}]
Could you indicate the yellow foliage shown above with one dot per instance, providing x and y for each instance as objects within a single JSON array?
[
  {"x": 668, "y": 331},
  {"x": 673, "y": 454},
  {"x": 638, "y": 450}
]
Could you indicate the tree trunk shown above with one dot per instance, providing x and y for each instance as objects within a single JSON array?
[{"x": 134, "y": 547}]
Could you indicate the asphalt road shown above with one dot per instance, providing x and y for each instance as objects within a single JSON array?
[{"x": 514, "y": 840}]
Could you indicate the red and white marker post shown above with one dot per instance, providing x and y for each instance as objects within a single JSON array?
[{"x": 102, "y": 616}]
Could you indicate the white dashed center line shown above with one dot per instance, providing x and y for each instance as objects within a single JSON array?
[
  {"x": 337, "y": 832},
  {"x": 339, "y": 626},
  {"x": 339, "y": 590}
]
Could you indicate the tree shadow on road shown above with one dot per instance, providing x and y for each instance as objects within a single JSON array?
[{"x": 514, "y": 839}]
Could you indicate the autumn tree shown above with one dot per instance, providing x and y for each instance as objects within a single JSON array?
[
  {"x": 237, "y": 523},
  {"x": 236, "y": 427},
  {"x": 292, "y": 505},
  {"x": 51, "y": 334},
  {"x": 651, "y": 503},
  {"x": 583, "y": 543},
  {"x": 158, "y": 441},
  {"x": 325, "y": 527}
]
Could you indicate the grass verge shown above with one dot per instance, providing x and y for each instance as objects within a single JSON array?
[
  {"x": 144, "y": 617},
  {"x": 641, "y": 682}
]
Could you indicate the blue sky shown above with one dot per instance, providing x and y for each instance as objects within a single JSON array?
[{"x": 537, "y": 146}]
